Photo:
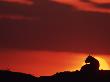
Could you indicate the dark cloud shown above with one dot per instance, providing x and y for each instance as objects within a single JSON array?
[
  {"x": 59, "y": 27},
  {"x": 87, "y": 1},
  {"x": 98, "y": 5},
  {"x": 105, "y": 5},
  {"x": 11, "y": 8}
]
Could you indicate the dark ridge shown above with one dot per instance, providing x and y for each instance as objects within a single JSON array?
[
  {"x": 9, "y": 76},
  {"x": 76, "y": 76}
]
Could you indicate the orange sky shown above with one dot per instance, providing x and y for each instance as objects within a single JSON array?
[
  {"x": 43, "y": 62},
  {"x": 49, "y": 62}
]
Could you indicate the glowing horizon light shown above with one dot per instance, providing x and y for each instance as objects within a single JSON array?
[{"x": 103, "y": 64}]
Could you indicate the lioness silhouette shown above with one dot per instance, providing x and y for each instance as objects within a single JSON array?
[{"x": 92, "y": 65}]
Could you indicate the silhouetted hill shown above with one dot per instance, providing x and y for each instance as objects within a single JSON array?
[
  {"x": 9, "y": 76},
  {"x": 66, "y": 76},
  {"x": 94, "y": 77},
  {"x": 78, "y": 76}
]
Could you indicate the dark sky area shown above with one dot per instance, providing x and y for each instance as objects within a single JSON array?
[{"x": 53, "y": 26}]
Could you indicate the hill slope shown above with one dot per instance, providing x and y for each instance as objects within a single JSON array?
[{"x": 76, "y": 76}]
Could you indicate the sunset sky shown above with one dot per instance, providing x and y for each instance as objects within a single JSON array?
[{"x": 42, "y": 37}]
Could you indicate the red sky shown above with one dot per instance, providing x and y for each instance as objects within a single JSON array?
[
  {"x": 43, "y": 62},
  {"x": 40, "y": 62},
  {"x": 19, "y": 1},
  {"x": 88, "y": 6},
  {"x": 45, "y": 37}
]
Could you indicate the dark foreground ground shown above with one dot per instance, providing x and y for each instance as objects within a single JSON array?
[{"x": 76, "y": 76}]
